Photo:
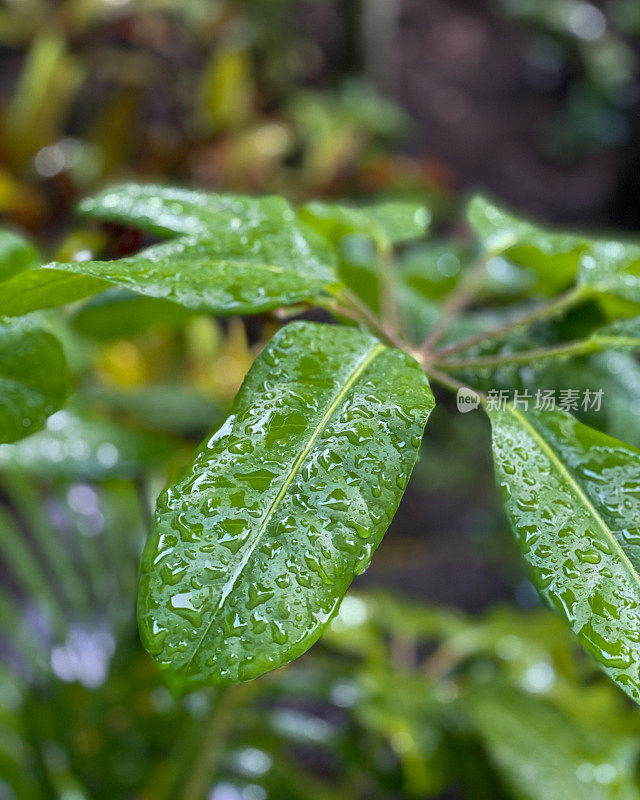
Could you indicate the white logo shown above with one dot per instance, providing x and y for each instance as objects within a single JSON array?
[{"x": 467, "y": 400}]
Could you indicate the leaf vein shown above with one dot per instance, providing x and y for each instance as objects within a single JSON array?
[
  {"x": 228, "y": 587},
  {"x": 573, "y": 483}
]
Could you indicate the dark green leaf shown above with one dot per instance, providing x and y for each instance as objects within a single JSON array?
[
  {"x": 16, "y": 255},
  {"x": 33, "y": 378},
  {"x": 359, "y": 269},
  {"x": 572, "y": 496},
  {"x": 433, "y": 269},
  {"x": 253, "y": 549}
]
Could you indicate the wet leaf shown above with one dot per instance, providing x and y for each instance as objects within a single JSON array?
[
  {"x": 253, "y": 549},
  {"x": 386, "y": 223},
  {"x": 33, "y": 378},
  {"x": 555, "y": 257},
  {"x": 166, "y": 210},
  {"x": 612, "y": 269},
  {"x": 572, "y": 496},
  {"x": 239, "y": 255}
]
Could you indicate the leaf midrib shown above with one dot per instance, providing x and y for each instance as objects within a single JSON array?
[
  {"x": 230, "y": 584},
  {"x": 573, "y": 483}
]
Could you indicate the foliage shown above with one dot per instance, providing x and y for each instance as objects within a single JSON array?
[{"x": 258, "y": 537}]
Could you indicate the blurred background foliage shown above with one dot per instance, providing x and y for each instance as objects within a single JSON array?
[{"x": 421, "y": 686}]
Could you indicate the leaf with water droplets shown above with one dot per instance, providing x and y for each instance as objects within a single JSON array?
[
  {"x": 555, "y": 257},
  {"x": 607, "y": 269},
  {"x": 572, "y": 496},
  {"x": 233, "y": 255},
  {"x": 611, "y": 271},
  {"x": 33, "y": 378},
  {"x": 386, "y": 223},
  {"x": 170, "y": 210},
  {"x": 254, "y": 547}
]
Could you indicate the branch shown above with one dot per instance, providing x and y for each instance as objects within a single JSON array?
[
  {"x": 523, "y": 357},
  {"x": 457, "y": 301},
  {"x": 208, "y": 757},
  {"x": 554, "y": 308}
]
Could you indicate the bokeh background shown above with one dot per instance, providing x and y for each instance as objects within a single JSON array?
[{"x": 533, "y": 102}]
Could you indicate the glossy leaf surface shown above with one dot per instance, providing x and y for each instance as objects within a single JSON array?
[
  {"x": 555, "y": 257},
  {"x": 572, "y": 496},
  {"x": 386, "y": 223},
  {"x": 613, "y": 268},
  {"x": 253, "y": 549},
  {"x": 167, "y": 210},
  {"x": 33, "y": 378},
  {"x": 235, "y": 255}
]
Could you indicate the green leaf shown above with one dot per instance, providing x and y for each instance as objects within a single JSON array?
[
  {"x": 120, "y": 314},
  {"x": 386, "y": 223},
  {"x": 253, "y": 549},
  {"x": 555, "y": 257},
  {"x": 235, "y": 273},
  {"x": 607, "y": 269},
  {"x": 613, "y": 268},
  {"x": 572, "y": 496},
  {"x": 240, "y": 255},
  {"x": 33, "y": 378},
  {"x": 359, "y": 269},
  {"x": 543, "y": 755},
  {"x": 619, "y": 375},
  {"x": 167, "y": 210},
  {"x": 36, "y": 289},
  {"x": 16, "y": 255}
]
